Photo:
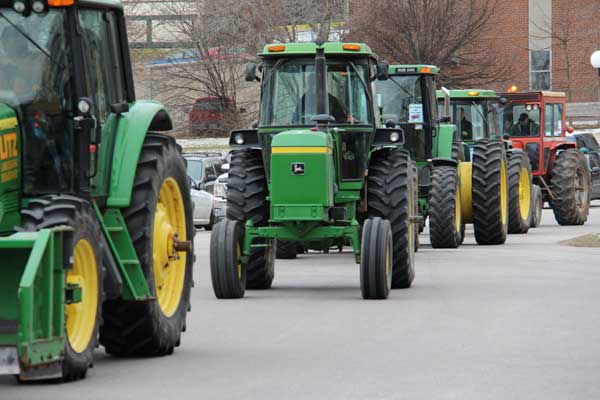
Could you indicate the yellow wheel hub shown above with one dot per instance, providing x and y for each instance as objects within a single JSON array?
[
  {"x": 169, "y": 265},
  {"x": 81, "y": 317},
  {"x": 524, "y": 193},
  {"x": 503, "y": 193}
]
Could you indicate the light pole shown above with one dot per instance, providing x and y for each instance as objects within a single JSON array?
[{"x": 595, "y": 61}]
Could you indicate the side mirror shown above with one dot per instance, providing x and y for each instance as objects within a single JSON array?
[
  {"x": 119, "y": 108},
  {"x": 250, "y": 72},
  {"x": 225, "y": 168},
  {"x": 382, "y": 71},
  {"x": 570, "y": 129},
  {"x": 446, "y": 104}
]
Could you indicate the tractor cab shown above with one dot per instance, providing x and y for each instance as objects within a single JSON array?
[
  {"x": 310, "y": 87},
  {"x": 475, "y": 112},
  {"x": 407, "y": 101},
  {"x": 536, "y": 123}
]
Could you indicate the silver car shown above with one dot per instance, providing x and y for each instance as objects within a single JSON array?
[{"x": 220, "y": 194}]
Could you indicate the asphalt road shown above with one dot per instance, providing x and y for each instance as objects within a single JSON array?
[{"x": 519, "y": 321}]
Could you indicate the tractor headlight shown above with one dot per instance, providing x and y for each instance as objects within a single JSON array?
[
  {"x": 84, "y": 106},
  {"x": 528, "y": 107},
  {"x": 19, "y": 6},
  {"x": 239, "y": 138},
  {"x": 38, "y": 7},
  {"x": 394, "y": 137}
]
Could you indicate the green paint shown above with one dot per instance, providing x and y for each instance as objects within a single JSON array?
[
  {"x": 115, "y": 230},
  {"x": 129, "y": 139},
  {"x": 10, "y": 169},
  {"x": 33, "y": 294},
  {"x": 469, "y": 94},
  {"x": 310, "y": 49}
]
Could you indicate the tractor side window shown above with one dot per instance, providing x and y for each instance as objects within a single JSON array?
[
  {"x": 558, "y": 112},
  {"x": 104, "y": 78},
  {"x": 548, "y": 120}
]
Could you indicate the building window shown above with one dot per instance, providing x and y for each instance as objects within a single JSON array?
[{"x": 540, "y": 70}]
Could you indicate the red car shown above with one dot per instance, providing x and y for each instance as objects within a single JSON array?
[{"x": 208, "y": 114}]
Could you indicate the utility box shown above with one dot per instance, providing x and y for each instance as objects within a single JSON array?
[{"x": 302, "y": 176}]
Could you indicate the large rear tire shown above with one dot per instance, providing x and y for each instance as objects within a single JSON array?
[
  {"x": 160, "y": 207},
  {"x": 490, "y": 192},
  {"x": 538, "y": 207},
  {"x": 81, "y": 319},
  {"x": 445, "y": 215},
  {"x": 247, "y": 200},
  {"x": 571, "y": 184},
  {"x": 390, "y": 196},
  {"x": 376, "y": 259},
  {"x": 520, "y": 199}
]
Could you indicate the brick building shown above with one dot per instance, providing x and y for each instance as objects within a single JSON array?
[{"x": 546, "y": 43}]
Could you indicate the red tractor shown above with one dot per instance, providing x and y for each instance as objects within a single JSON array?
[{"x": 536, "y": 123}]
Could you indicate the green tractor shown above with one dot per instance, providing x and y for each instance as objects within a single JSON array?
[
  {"x": 317, "y": 172},
  {"x": 452, "y": 191},
  {"x": 476, "y": 114},
  {"x": 95, "y": 209}
]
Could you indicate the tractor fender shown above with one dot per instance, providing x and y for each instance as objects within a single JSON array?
[
  {"x": 143, "y": 116},
  {"x": 444, "y": 139},
  {"x": 441, "y": 161}
]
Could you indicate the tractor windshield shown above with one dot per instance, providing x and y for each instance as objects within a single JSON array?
[
  {"x": 290, "y": 94},
  {"x": 400, "y": 99},
  {"x": 35, "y": 83},
  {"x": 521, "y": 120}
]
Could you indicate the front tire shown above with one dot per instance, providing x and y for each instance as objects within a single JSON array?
[
  {"x": 227, "y": 272},
  {"x": 445, "y": 215},
  {"x": 81, "y": 319},
  {"x": 520, "y": 199},
  {"x": 247, "y": 200},
  {"x": 570, "y": 183},
  {"x": 376, "y": 259},
  {"x": 160, "y": 209},
  {"x": 538, "y": 207},
  {"x": 490, "y": 192},
  {"x": 390, "y": 196}
]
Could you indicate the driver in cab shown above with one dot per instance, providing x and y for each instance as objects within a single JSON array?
[{"x": 524, "y": 127}]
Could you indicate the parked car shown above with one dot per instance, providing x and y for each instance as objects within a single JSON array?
[
  {"x": 587, "y": 143},
  {"x": 220, "y": 195},
  {"x": 208, "y": 114},
  {"x": 202, "y": 169}
]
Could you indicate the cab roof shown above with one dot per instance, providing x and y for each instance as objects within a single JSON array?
[
  {"x": 310, "y": 49},
  {"x": 469, "y": 94},
  {"x": 412, "y": 69}
]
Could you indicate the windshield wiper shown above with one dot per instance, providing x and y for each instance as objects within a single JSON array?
[
  {"x": 480, "y": 113},
  {"x": 33, "y": 42},
  {"x": 404, "y": 90}
]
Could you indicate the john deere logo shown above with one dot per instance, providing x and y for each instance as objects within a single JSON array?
[{"x": 298, "y": 168}]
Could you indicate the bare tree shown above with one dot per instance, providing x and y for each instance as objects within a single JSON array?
[
  {"x": 225, "y": 35},
  {"x": 446, "y": 33}
]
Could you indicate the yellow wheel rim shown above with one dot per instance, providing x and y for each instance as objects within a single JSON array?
[
  {"x": 81, "y": 317},
  {"x": 524, "y": 193},
  {"x": 457, "y": 210},
  {"x": 169, "y": 266},
  {"x": 503, "y": 193}
]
